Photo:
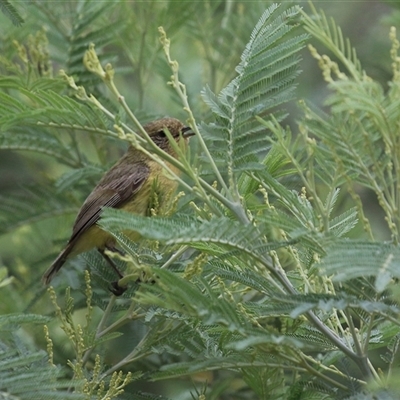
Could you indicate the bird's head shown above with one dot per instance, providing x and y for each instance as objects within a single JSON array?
[{"x": 156, "y": 130}]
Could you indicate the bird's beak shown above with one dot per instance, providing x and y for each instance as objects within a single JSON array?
[{"x": 187, "y": 132}]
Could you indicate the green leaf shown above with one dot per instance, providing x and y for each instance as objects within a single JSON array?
[
  {"x": 247, "y": 278},
  {"x": 76, "y": 176},
  {"x": 27, "y": 375},
  {"x": 296, "y": 305},
  {"x": 350, "y": 259},
  {"x": 10, "y": 321},
  {"x": 48, "y": 108},
  {"x": 16, "y": 211},
  {"x": 266, "y": 74},
  {"x": 202, "y": 234},
  {"x": 344, "y": 223},
  {"x": 37, "y": 140},
  {"x": 200, "y": 300},
  {"x": 11, "y": 12}
]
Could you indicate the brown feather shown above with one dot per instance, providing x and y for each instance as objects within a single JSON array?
[
  {"x": 116, "y": 187},
  {"x": 126, "y": 185}
]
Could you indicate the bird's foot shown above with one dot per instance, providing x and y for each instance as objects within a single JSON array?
[{"x": 116, "y": 289}]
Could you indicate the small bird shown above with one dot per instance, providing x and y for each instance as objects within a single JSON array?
[{"x": 127, "y": 186}]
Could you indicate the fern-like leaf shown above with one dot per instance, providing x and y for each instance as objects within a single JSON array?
[
  {"x": 266, "y": 74},
  {"x": 11, "y": 12},
  {"x": 177, "y": 294},
  {"x": 36, "y": 140},
  {"x": 331, "y": 36},
  {"x": 26, "y": 374},
  {"x": 15, "y": 211},
  {"x": 43, "y": 105},
  {"x": 182, "y": 229},
  {"x": 92, "y": 26},
  {"x": 9, "y": 322},
  {"x": 30, "y": 377},
  {"x": 349, "y": 259},
  {"x": 296, "y": 305}
]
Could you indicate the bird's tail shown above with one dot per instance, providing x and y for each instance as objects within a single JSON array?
[{"x": 55, "y": 267}]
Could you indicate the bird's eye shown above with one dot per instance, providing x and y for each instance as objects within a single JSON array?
[{"x": 161, "y": 133}]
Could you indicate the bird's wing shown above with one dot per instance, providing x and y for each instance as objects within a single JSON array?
[{"x": 115, "y": 188}]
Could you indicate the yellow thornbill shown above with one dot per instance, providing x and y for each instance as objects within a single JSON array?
[{"x": 127, "y": 186}]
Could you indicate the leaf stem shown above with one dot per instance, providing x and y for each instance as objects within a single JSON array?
[
  {"x": 102, "y": 322},
  {"x": 181, "y": 91}
]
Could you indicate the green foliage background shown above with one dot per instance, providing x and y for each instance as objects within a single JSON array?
[{"x": 275, "y": 275}]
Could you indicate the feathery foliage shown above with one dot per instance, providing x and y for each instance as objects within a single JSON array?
[
  {"x": 27, "y": 374},
  {"x": 11, "y": 12},
  {"x": 265, "y": 80},
  {"x": 271, "y": 281}
]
